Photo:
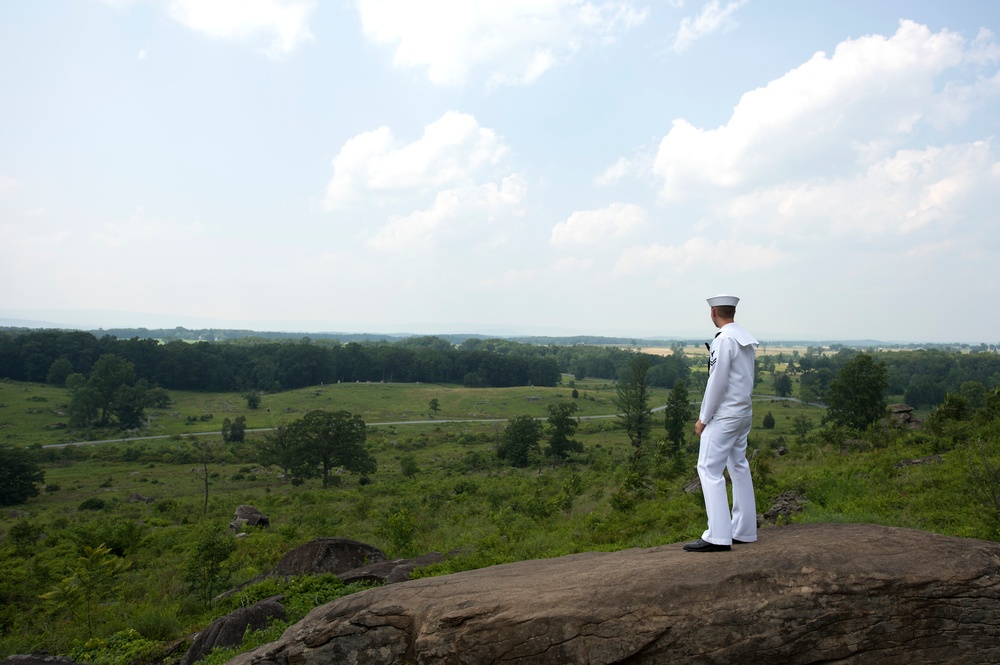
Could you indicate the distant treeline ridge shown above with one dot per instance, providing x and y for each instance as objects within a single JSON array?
[{"x": 254, "y": 364}]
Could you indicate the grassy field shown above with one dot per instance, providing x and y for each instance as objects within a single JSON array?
[
  {"x": 438, "y": 487},
  {"x": 33, "y": 414}
]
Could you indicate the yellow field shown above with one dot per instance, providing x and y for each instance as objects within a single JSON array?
[{"x": 700, "y": 350}]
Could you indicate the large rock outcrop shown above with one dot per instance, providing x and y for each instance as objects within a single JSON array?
[
  {"x": 846, "y": 593},
  {"x": 228, "y": 631}
]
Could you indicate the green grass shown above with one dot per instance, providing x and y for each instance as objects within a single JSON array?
[{"x": 460, "y": 498}]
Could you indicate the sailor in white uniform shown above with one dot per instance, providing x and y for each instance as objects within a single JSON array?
[{"x": 723, "y": 425}]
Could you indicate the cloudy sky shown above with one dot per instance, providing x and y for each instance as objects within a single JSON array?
[{"x": 505, "y": 167}]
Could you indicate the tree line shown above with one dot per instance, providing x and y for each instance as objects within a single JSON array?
[
  {"x": 921, "y": 378},
  {"x": 51, "y": 356}
]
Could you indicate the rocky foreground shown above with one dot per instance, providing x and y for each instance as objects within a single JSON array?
[{"x": 816, "y": 593}]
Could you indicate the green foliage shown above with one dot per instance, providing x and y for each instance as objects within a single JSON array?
[
  {"x": 20, "y": 475},
  {"x": 234, "y": 431},
  {"x": 408, "y": 465},
  {"x": 322, "y": 440},
  {"x": 96, "y": 577},
  {"x": 209, "y": 568},
  {"x": 126, "y": 647},
  {"x": 801, "y": 426},
  {"x": 462, "y": 499},
  {"x": 399, "y": 528},
  {"x": 93, "y": 503},
  {"x": 782, "y": 384},
  {"x": 632, "y": 401},
  {"x": 768, "y": 422},
  {"x": 562, "y": 424},
  {"x": 252, "y": 398},
  {"x": 520, "y": 439},
  {"x": 856, "y": 397},
  {"x": 983, "y": 460},
  {"x": 60, "y": 368},
  {"x": 677, "y": 416}
]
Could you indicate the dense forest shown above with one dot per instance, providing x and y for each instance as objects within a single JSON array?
[
  {"x": 921, "y": 377},
  {"x": 49, "y": 356}
]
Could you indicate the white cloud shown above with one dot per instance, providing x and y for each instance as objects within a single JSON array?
[
  {"x": 589, "y": 227},
  {"x": 935, "y": 189},
  {"x": 617, "y": 171},
  {"x": 825, "y": 116},
  {"x": 515, "y": 41},
  {"x": 8, "y": 184},
  {"x": 452, "y": 149},
  {"x": 699, "y": 254},
  {"x": 285, "y": 22},
  {"x": 711, "y": 18},
  {"x": 556, "y": 273},
  {"x": 463, "y": 210}
]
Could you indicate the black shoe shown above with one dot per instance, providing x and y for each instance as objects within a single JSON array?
[
  {"x": 703, "y": 546},
  {"x": 742, "y": 542}
]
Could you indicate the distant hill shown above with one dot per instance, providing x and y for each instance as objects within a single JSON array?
[{"x": 181, "y": 333}]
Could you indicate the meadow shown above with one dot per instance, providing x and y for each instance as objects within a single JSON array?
[{"x": 439, "y": 486}]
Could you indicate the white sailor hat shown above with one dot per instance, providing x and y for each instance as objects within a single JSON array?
[{"x": 722, "y": 300}]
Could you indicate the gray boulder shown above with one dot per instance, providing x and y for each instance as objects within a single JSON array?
[
  {"x": 37, "y": 659},
  {"x": 327, "y": 555},
  {"x": 811, "y": 593},
  {"x": 228, "y": 631},
  {"x": 320, "y": 556},
  {"x": 390, "y": 572},
  {"x": 248, "y": 516}
]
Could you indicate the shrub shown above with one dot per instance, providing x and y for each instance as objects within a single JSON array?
[
  {"x": 93, "y": 503},
  {"x": 122, "y": 648}
]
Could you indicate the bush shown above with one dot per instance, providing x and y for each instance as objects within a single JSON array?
[
  {"x": 122, "y": 648},
  {"x": 93, "y": 503},
  {"x": 19, "y": 475}
]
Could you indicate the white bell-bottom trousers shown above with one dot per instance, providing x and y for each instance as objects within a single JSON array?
[{"x": 724, "y": 444}]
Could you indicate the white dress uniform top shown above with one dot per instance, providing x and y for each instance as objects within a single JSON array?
[{"x": 727, "y": 415}]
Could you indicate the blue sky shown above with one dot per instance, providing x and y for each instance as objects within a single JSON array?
[{"x": 504, "y": 167}]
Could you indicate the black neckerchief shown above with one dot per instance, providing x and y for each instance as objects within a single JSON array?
[{"x": 708, "y": 346}]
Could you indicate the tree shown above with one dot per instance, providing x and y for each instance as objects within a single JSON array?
[
  {"x": 234, "y": 432},
  {"x": 562, "y": 423},
  {"x": 677, "y": 416},
  {"x": 19, "y": 475},
  {"x": 801, "y": 425},
  {"x": 329, "y": 439},
  {"x": 157, "y": 398},
  {"x": 632, "y": 400},
  {"x": 434, "y": 405},
  {"x": 84, "y": 402},
  {"x": 856, "y": 397},
  {"x": 769, "y": 421},
  {"x": 204, "y": 451},
  {"x": 519, "y": 440},
  {"x": 59, "y": 370},
  {"x": 279, "y": 449},
  {"x": 408, "y": 465},
  {"x": 207, "y": 570},
  {"x": 782, "y": 384},
  {"x": 238, "y": 431},
  {"x": 95, "y": 578},
  {"x": 253, "y": 399},
  {"x": 129, "y": 405},
  {"x": 108, "y": 375}
]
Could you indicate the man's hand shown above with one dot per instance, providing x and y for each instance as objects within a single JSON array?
[{"x": 699, "y": 427}]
